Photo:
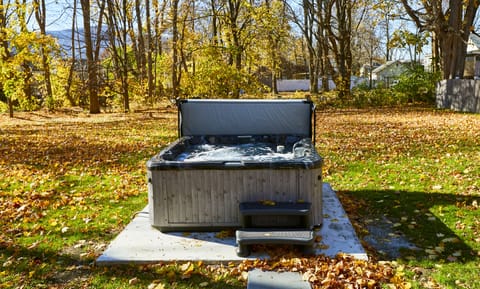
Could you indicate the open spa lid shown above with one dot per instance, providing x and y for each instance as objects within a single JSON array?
[{"x": 200, "y": 117}]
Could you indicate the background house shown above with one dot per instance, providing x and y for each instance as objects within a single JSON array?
[
  {"x": 472, "y": 59},
  {"x": 366, "y": 69},
  {"x": 388, "y": 74}
]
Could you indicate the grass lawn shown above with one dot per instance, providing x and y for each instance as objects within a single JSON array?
[{"x": 70, "y": 182}]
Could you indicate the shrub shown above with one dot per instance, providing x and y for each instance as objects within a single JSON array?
[
  {"x": 417, "y": 84},
  {"x": 376, "y": 97}
]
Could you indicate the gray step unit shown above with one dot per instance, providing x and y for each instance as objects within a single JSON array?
[
  {"x": 275, "y": 223},
  {"x": 275, "y": 214}
]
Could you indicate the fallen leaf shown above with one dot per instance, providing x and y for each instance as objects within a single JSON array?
[
  {"x": 243, "y": 276},
  {"x": 430, "y": 251},
  {"x": 156, "y": 286},
  {"x": 452, "y": 258},
  {"x": 187, "y": 268},
  {"x": 450, "y": 240},
  {"x": 133, "y": 281},
  {"x": 439, "y": 249}
]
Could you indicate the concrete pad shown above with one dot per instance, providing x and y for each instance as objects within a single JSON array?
[
  {"x": 141, "y": 243},
  {"x": 258, "y": 279}
]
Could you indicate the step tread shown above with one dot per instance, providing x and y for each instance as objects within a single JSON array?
[
  {"x": 274, "y": 208},
  {"x": 275, "y": 236}
]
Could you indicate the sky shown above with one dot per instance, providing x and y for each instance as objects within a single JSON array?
[{"x": 59, "y": 15}]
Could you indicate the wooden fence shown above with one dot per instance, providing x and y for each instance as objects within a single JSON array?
[{"x": 459, "y": 95}]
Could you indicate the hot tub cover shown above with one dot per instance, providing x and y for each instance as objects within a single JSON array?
[{"x": 200, "y": 117}]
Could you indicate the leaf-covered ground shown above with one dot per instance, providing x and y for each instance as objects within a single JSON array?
[
  {"x": 410, "y": 174},
  {"x": 69, "y": 182}
]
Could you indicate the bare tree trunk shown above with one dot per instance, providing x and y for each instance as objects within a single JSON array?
[
  {"x": 119, "y": 22},
  {"x": 27, "y": 70},
  {"x": 157, "y": 43},
  {"x": 99, "y": 35},
  {"x": 274, "y": 77},
  {"x": 274, "y": 26},
  {"x": 40, "y": 15},
  {"x": 308, "y": 25},
  {"x": 237, "y": 20},
  {"x": 322, "y": 46},
  {"x": 126, "y": 98},
  {"x": 235, "y": 57},
  {"x": 452, "y": 39},
  {"x": 113, "y": 30},
  {"x": 142, "y": 61},
  {"x": 214, "y": 22},
  {"x": 340, "y": 41},
  {"x": 175, "y": 80},
  {"x": 151, "y": 87},
  {"x": 10, "y": 107},
  {"x": 68, "y": 87},
  {"x": 91, "y": 65}
]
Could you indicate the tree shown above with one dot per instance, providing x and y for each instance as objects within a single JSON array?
[
  {"x": 339, "y": 34},
  {"x": 412, "y": 42},
  {"x": 385, "y": 12},
  {"x": 71, "y": 70},
  {"x": 175, "y": 50},
  {"x": 140, "y": 51},
  {"x": 91, "y": 63},
  {"x": 366, "y": 46},
  {"x": 149, "y": 45},
  {"x": 237, "y": 22},
  {"x": 273, "y": 30},
  {"x": 327, "y": 28},
  {"x": 313, "y": 31},
  {"x": 325, "y": 66},
  {"x": 20, "y": 51},
  {"x": 450, "y": 24},
  {"x": 4, "y": 49},
  {"x": 40, "y": 15},
  {"x": 160, "y": 12}
]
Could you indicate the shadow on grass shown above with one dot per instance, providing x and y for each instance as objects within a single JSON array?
[{"x": 415, "y": 225}]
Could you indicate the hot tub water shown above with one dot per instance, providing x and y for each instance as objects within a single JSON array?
[{"x": 242, "y": 152}]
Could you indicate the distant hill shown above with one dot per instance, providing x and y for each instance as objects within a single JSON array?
[{"x": 64, "y": 38}]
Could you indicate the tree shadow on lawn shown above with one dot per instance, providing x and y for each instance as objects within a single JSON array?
[{"x": 402, "y": 224}]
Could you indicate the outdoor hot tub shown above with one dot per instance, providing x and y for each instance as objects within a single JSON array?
[{"x": 231, "y": 152}]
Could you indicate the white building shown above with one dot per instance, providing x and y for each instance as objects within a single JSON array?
[{"x": 389, "y": 72}]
